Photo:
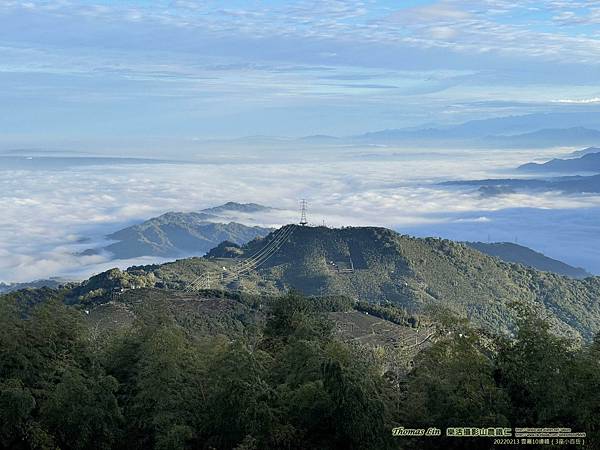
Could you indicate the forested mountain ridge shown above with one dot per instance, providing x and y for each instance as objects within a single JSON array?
[
  {"x": 377, "y": 265},
  {"x": 132, "y": 360},
  {"x": 177, "y": 234},
  {"x": 214, "y": 371},
  {"x": 235, "y": 207},
  {"x": 510, "y": 252},
  {"x": 422, "y": 273}
]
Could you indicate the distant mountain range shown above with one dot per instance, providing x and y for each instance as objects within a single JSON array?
[
  {"x": 508, "y": 125},
  {"x": 233, "y": 207},
  {"x": 588, "y": 162},
  {"x": 501, "y": 186},
  {"x": 522, "y": 124},
  {"x": 533, "y": 130},
  {"x": 524, "y": 131},
  {"x": 549, "y": 137},
  {"x": 177, "y": 234},
  {"x": 515, "y": 253},
  {"x": 585, "y": 151}
]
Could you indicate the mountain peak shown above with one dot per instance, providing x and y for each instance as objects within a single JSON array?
[
  {"x": 585, "y": 151},
  {"x": 379, "y": 265},
  {"x": 589, "y": 162},
  {"x": 237, "y": 207},
  {"x": 176, "y": 234}
]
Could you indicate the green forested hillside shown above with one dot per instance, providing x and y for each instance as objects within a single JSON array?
[
  {"x": 509, "y": 252},
  {"x": 378, "y": 265},
  {"x": 209, "y": 372},
  {"x": 420, "y": 274},
  {"x": 142, "y": 359}
]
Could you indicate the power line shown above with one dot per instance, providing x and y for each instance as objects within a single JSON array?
[
  {"x": 274, "y": 236},
  {"x": 251, "y": 263},
  {"x": 278, "y": 238}
]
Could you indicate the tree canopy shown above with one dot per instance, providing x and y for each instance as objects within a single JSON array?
[{"x": 288, "y": 383}]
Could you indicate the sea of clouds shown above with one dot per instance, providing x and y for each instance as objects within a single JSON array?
[{"x": 50, "y": 215}]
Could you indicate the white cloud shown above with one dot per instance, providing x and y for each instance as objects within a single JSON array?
[
  {"x": 581, "y": 101},
  {"x": 195, "y": 67},
  {"x": 46, "y": 214},
  {"x": 481, "y": 219},
  {"x": 441, "y": 11},
  {"x": 460, "y": 25},
  {"x": 443, "y": 32}
]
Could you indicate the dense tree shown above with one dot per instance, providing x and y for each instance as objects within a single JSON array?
[
  {"x": 583, "y": 379},
  {"x": 160, "y": 378},
  {"x": 83, "y": 405},
  {"x": 533, "y": 365},
  {"x": 452, "y": 385},
  {"x": 550, "y": 380},
  {"x": 53, "y": 392},
  {"x": 357, "y": 409},
  {"x": 17, "y": 427},
  {"x": 286, "y": 382}
]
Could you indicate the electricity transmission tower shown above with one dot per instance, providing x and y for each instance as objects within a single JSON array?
[{"x": 303, "y": 219}]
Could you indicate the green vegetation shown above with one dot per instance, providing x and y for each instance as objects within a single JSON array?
[
  {"x": 418, "y": 275},
  {"x": 284, "y": 380},
  {"x": 177, "y": 233},
  {"x": 396, "y": 331},
  {"x": 509, "y": 252},
  {"x": 381, "y": 267},
  {"x": 155, "y": 385},
  {"x": 535, "y": 380},
  {"x": 389, "y": 312}
]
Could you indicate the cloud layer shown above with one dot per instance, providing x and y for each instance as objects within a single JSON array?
[
  {"x": 47, "y": 215},
  {"x": 162, "y": 77},
  {"x": 86, "y": 70}
]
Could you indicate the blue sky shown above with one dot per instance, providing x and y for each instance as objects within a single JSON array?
[
  {"x": 94, "y": 71},
  {"x": 161, "y": 77}
]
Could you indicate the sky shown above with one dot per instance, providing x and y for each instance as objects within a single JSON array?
[
  {"x": 184, "y": 79},
  {"x": 90, "y": 73}
]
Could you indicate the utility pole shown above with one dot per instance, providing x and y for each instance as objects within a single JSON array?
[{"x": 303, "y": 219}]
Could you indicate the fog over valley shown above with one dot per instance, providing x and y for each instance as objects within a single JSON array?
[{"x": 58, "y": 207}]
